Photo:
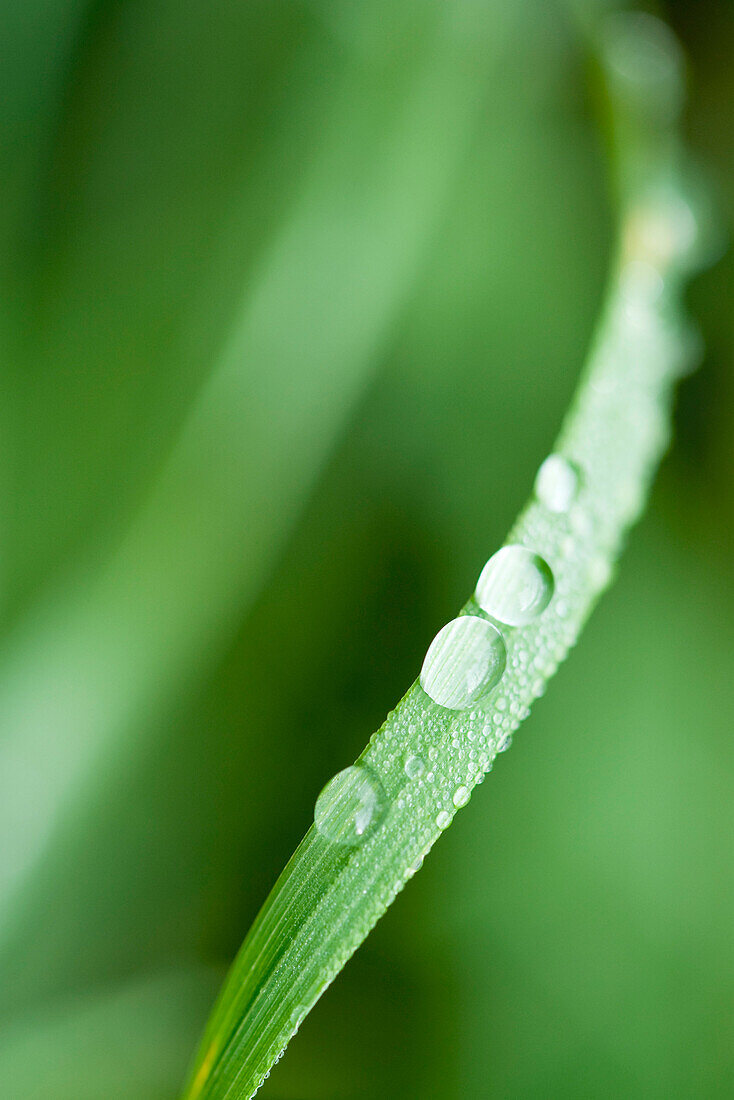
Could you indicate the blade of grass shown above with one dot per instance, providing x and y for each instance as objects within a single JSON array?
[
  {"x": 37, "y": 39},
  {"x": 375, "y": 826},
  {"x": 123, "y": 1043}
]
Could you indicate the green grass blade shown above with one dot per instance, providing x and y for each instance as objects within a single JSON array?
[
  {"x": 125, "y": 1042},
  {"x": 378, "y": 821}
]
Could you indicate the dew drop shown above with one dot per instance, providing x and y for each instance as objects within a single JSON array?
[
  {"x": 515, "y": 586},
  {"x": 504, "y": 742},
  {"x": 350, "y": 806},
  {"x": 414, "y": 767},
  {"x": 557, "y": 483},
  {"x": 600, "y": 572},
  {"x": 443, "y": 819},
  {"x": 461, "y": 796},
  {"x": 464, "y": 661}
]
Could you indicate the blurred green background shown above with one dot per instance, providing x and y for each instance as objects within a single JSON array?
[{"x": 293, "y": 297}]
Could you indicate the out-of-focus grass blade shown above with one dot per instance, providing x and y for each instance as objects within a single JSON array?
[
  {"x": 36, "y": 40},
  {"x": 126, "y": 1043},
  {"x": 116, "y": 642},
  {"x": 120, "y": 306}
]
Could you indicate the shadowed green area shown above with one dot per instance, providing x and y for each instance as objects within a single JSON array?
[{"x": 433, "y": 184}]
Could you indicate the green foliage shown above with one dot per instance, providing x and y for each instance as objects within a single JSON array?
[{"x": 202, "y": 618}]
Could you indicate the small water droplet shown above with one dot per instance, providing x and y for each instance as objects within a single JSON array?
[
  {"x": 443, "y": 819},
  {"x": 350, "y": 806},
  {"x": 504, "y": 742},
  {"x": 461, "y": 796},
  {"x": 464, "y": 661},
  {"x": 515, "y": 586},
  {"x": 600, "y": 572},
  {"x": 414, "y": 767},
  {"x": 557, "y": 483}
]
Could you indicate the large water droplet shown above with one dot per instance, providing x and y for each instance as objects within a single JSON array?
[
  {"x": 443, "y": 819},
  {"x": 557, "y": 483},
  {"x": 461, "y": 796},
  {"x": 350, "y": 806},
  {"x": 515, "y": 586},
  {"x": 464, "y": 661},
  {"x": 414, "y": 767}
]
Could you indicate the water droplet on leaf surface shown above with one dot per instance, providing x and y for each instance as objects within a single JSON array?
[
  {"x": 557, "y": 483},
  {"x": 515, "y": 586},
  {"x": 464, "y": 661},
  {"x": 414, "y": 767},
  {"x": 461, "y": 796},
  {"x": 350, "y": 806}
]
